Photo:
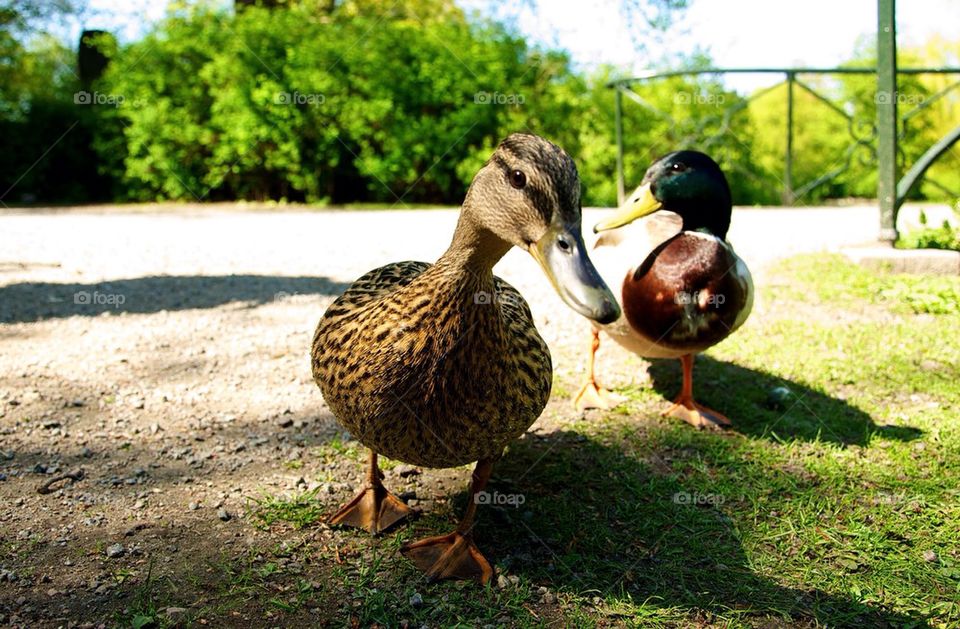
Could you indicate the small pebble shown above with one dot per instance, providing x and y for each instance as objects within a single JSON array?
[
  {"x": 930, "y": 556},
  {"x": 175, "y": 613},
  {"x": 115, "y": 550},
  {"x": 407, "y": 470},
  {"x": 224, "y": 515},
  {"x": 502, "y": 581},
  {"x": 193, "y": 506},
  {"x": 778, "y": 398},
  {"x": 416, "y": 600}
]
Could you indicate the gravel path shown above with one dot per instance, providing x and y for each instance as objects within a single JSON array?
[{"x": 165, "y": 356}]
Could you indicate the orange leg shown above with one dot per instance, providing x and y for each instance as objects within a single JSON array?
[
  {"x": 455, "y": 556},
  {"x": 374, "y": 508},
  {"x": 592, "y": 395},
  {"x": 687, "y": 409}
]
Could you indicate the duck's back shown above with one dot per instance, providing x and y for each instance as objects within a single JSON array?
[{"x": 431, "y": 370}]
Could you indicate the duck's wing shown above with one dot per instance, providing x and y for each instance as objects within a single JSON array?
[
  {"x": 513, "y": 306},
  {"x": 375, "y": 285},
  {"x": 745, "y": 279}
]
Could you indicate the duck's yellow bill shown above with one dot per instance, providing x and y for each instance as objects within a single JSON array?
[{"x": 640, "y": 203}]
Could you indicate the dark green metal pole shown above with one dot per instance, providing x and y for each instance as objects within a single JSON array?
[
  {"x": 787, "y": 197},
  {"x": 886, "y": 100},
  {"x": 621, "y": 195}
]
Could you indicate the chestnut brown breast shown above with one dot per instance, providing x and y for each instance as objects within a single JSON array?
[{"x": 685, "y": 295}]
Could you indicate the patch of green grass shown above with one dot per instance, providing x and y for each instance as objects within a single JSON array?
[
  {"x": 338, "y": 449},
  {"x": 245, "y": 590},
  {"x": 144, "y": 610},
  {"x": 834, "y": 280},
  {"x": 299, "y": 510},
  {"x": 946, "y": 236}
]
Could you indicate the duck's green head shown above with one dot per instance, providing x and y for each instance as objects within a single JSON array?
[
  {"x": 528, "y": 195},
  {"x": 688, "y": 183}
]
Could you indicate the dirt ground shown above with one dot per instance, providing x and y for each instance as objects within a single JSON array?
[{"x": 161, "y": 358}]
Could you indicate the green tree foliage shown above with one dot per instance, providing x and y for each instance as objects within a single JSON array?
[
  {"x": 44, "y": 138},
  {"x": 401, "y": 102},
  {"x": 303, "y": 104},
  {"x": 356, "y": 101}
]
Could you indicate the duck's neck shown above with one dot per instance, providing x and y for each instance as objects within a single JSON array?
[
  {"x": 463, "y": 287},
  {"x": 708, "y": 218},
  {"x": 473, "y": 252}
]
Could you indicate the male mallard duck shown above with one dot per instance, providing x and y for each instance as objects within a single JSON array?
[
  {"x": 683, "y": 287},
  {"x": 441, "y": 365}
]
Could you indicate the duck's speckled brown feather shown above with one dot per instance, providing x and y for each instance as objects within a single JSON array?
[{"x": 433, "y": 365}]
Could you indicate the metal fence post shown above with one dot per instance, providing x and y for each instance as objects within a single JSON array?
[
  {"x": 787, "y": 197},
  {"x": 886, "y": 100}
]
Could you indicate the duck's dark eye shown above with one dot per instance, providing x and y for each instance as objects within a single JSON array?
[
  {"x": 563, "y": 243},
  {"x": 677, "y": 167},
  {"x": 517, "y": 179}
]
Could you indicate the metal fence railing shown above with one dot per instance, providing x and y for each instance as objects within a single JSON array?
[{"x": 864, "y": 132}]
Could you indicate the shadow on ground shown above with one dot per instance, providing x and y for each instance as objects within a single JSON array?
[
  {"x": 744, "y": 395},
  {"x": 597, "y": 522},
  {"x": 33, "y": 301}
]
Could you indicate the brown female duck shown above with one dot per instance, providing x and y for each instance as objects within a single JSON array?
[
  {"x": 441, "y": 365},
  {"x": 682, "y": 287}
]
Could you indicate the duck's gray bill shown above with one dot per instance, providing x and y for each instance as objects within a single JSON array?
[{"x": 562, "y": 254}]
